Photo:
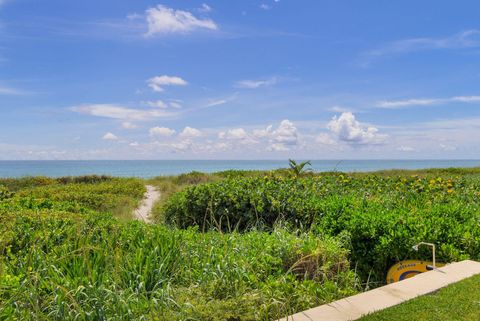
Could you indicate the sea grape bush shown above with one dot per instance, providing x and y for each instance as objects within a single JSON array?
[
  {"x": 381, "y": 216},
  {"x": 5, "y": 193}
]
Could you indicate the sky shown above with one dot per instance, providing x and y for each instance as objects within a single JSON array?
[{"x": 239, "y": 79}]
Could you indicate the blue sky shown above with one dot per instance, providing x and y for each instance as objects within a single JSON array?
[{"x": 248, "y": 79}]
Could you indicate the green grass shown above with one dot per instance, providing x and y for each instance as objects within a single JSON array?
[{"x": 459, "y": 301}]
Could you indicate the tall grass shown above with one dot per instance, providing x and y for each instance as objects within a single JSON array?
[{"x": 62, "y": 267}]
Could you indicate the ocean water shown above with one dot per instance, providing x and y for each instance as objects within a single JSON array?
[{"x": 152, "y": 168}]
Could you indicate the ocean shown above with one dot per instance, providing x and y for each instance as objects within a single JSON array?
[{"x": 152, "y": 168}]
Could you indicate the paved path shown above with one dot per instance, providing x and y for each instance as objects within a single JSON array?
[
  {"x": 143, "y": 211},
  {"x": 356, "y": 306}
]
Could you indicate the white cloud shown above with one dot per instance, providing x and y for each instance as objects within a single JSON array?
[
  {"x": 284, "y": 137},
  {"x": 189, "y": 132},
  {"x": 254, "y": 84},
  {"x": 205, "y": 8},
  {"x": 325, "y": 139},
  {"x": 406, "y": 103},
  {"x": 236, "y": 133},
  {"x": 175, "y": 104},
  {"x": 265, "y": 6},
  {"x": 162, "y": 20},
  {"x": 120, "y": 112},
  {"x": 286, "y": 133},
  {"x": 157, "y": 83},
  {"x": 164, "y": 105},
  {"x": 161, "y": 131},
  {"x": 405, "y": 148},
  {"x": 128, "y": 125},
  {"x": 464, "y": 39},
  {"x": 276, "y": 147},
  {"x": 340, "y": 109},
  {"x": 448, "y": 148},
  {"x": 183, "y": 145},
  {"x": 214, "y": 103},
  {"x": 397, "y": 104},
  {"x": 109, "y": 136},
  {"x": 157, "y": 104},
  {"x": 349, "y": 130},
  {"x": 9, "y": 91},
  {"x": 466, "y": 99},
  {"x": 261, "y": 133},
  {"x": 134, "y": 144}
]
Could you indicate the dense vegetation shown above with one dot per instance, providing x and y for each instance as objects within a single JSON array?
[
  {"x": 103, "y": 194},
  {"x": 234, "y": 245},
  {"x": 64, "y": 256},
  {"x": 381, "y": 216}
]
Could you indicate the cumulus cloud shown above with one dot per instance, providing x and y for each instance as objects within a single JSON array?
[
  {"x": 128, "y": 125},
  {"x": 161, "y": 131},
  {"x": 157, "y": 83},
  {"x": 109, "y": 136},
  {"x": 276, "y": 147},
  {"x": 236, "y": 133},
  {"x": 189, "y": 132},
  {"x": 183, "y": 145},
  {"x": 325, "y": 139},
  {"x": 349, "y": 130},
  {"x": 282, "y": 138},
  {"x": 286, "y": 133},
  {"x": 254, "y": 84},
  {"x": 261, "y": 133},
  {"x": 162, "y": 20},
  {"x": 120, "y": 112}
]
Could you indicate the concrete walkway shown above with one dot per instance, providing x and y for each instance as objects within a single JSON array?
[
  {"x": 142, "y": 213},
  {"x": 356, "y": 306}
]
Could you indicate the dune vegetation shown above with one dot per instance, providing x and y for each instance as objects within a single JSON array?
[{"x": 234, "y": 245}]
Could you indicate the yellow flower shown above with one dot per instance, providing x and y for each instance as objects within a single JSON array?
[{"x": 450, "y": 191}]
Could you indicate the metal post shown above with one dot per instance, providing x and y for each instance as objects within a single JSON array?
[{"x": 415, "y": 247}]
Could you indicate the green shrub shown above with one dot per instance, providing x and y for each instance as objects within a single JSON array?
[
  {"x": 382, "y": 216},
  {"x": 5, "y": 193}
]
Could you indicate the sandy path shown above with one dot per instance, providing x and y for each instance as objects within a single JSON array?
[{"x": 143, "y": 211}]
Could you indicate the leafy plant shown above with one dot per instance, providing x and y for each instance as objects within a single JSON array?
[{"x": 298, "y": 169}]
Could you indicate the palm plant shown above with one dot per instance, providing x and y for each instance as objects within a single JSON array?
[{"x": 298, "y": 169}]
